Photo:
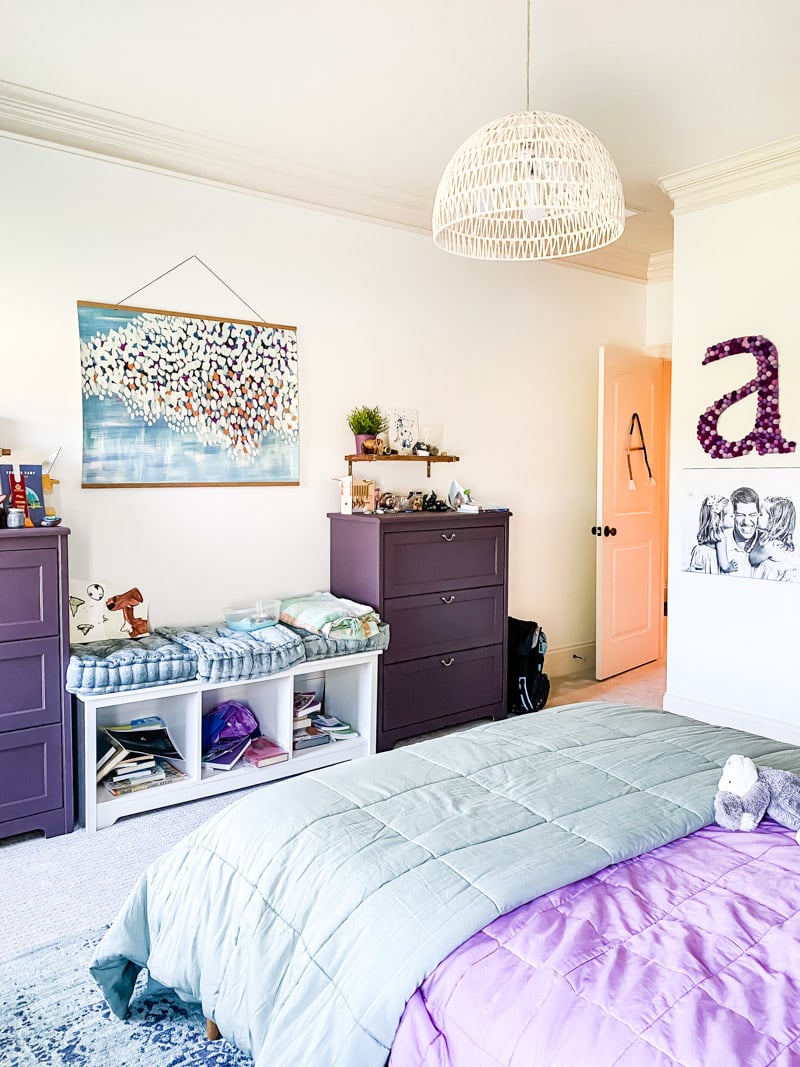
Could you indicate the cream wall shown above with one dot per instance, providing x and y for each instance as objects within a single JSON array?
[
  {"x": 732, "y": 646},
  {"x": 503, "y": 356},
  {"x": 658, "y": 331}
]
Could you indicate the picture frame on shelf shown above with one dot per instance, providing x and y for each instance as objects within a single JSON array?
[{"x": 403, "y": 429}]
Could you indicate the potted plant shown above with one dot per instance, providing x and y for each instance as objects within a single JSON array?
[{"x": 366, "y": 423}]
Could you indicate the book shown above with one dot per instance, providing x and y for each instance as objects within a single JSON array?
[
  {"x": 343, "y": 735},
  {"x": 138, "y": 776},
  {"x": 23, "y": 490},
  {"x": 125, "y": 774},
  {"x": 224, "y": 757},
  {"x": 135, "y": 763},
  {"x": 262, "y": 752},
  {"x": 308, "y": 737},
  {"x": 306, "y": 703},
  {"x": 301, "y": 720},
  {"x": 171, "y": 774},
  {"x": 336, "y": 729},
  {"x": 329, "y": 724},
  {"x": 110, "y": 753},
  {"x": 149, "y": 736}
]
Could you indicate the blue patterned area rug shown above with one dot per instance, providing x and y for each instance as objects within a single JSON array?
[{"x": 52, "y": 1012}]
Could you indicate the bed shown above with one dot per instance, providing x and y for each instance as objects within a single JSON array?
[{"x": 304, "y": 917}]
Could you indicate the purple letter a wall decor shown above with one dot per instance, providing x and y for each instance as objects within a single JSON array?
[{"x": 765, "y": 437}]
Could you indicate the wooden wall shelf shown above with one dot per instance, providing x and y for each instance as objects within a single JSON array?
[{"x": 367, "y": 458}]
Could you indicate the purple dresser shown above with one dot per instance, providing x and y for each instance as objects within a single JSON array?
[
  {"x": 35, "y": 716},
  {"x": 441, "y": 582}
]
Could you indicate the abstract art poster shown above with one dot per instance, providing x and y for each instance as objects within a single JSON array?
[
  {"x": 741, "y": 523},
  {"x": 175, "y": 399}
]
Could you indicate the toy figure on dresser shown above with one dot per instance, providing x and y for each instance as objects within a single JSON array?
[
  {"x": 460, "y": 499},
  {"x": 431, "y": 502}
]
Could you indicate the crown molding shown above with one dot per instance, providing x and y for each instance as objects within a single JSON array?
[
  {"x": 660, "y": 267},
  {"x": 35, "y": 117},
  {"x": 758, "y": 170},
  {"x": 41, "y": 118},
  {"x": 614, "y": 260}
]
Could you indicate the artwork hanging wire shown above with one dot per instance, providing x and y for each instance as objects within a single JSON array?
[{"x": 175, "y": 399}]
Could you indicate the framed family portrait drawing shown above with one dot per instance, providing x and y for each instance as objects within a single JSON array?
[
  {"x": 176, "y": 399},
  {"x": 740, "y": 523}
]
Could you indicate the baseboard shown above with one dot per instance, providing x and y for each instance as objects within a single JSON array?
[
  {"x": 738, "y": 720},
  {"x": 570, "y": 661}
]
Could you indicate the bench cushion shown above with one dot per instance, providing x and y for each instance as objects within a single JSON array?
[
  {"x": 224, "y": 655},
  {"x": 114, "y": 666}
]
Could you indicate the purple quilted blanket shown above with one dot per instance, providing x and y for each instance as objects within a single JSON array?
[{"x": 688, "y": 955}]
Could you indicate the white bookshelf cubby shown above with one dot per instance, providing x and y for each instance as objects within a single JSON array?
[{"x": 349, "y": 686}]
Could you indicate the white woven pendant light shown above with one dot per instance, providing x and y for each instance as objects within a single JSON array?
[{"x": 533, "y": 185}]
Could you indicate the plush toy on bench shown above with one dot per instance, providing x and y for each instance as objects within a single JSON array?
[{"x": 746, "y": 794}]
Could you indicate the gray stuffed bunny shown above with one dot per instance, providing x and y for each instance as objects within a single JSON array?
[{"x": 746, "y": 794}]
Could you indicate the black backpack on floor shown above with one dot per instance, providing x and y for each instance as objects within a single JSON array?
[{"x": 528, "y": 685}]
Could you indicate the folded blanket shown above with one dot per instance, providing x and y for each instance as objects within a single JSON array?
[
  {"x": 335, "y": 617},
  {"x": 317, "y": 646}
]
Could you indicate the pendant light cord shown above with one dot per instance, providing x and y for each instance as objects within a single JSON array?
[{"x": 528, "y": 59}]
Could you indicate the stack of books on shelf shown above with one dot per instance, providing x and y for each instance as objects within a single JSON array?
[
  {"x": 162, "y": 772},
  {"x": 133, "y": 756},
  {"x": 262, "y": 752},
  {"x": 336, "y": 729},
  {"x": 305, "y": 705},
  {"x": 306, "y": 735}
]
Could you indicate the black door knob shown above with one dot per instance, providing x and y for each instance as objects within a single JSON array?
[
  {"x": 596, "y": 531},
  {"x": 609, "y": 531}
]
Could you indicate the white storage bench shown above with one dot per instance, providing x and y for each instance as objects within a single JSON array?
[{"x": 350, "y": 692}]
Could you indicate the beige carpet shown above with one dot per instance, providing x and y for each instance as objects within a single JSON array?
[{"x": 66, "y": 885}]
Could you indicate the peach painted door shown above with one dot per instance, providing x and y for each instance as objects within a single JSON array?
[{"x": 630, "y": 499}]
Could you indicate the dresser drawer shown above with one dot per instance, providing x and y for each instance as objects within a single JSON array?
[
  {"x": 425, "y": 689},
  {"x": 28, "y": 593},
  {"x": 30, "y": 683},
  {"x": 444, "y": 622},
  {"x": 30, "y": 773},
  {"x": 454, "y": 557}
]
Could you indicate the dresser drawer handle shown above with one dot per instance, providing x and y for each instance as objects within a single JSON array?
[
  {"x": 449, "y": 537},
  {"x": 447, "y": 599},
  {"x": 447, "y": 662}
]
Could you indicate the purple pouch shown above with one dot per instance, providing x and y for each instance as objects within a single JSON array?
[{"x": 227, "y": 722}]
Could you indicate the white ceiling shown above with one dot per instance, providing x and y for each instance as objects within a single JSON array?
[{"x": 377, "y": 95}]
